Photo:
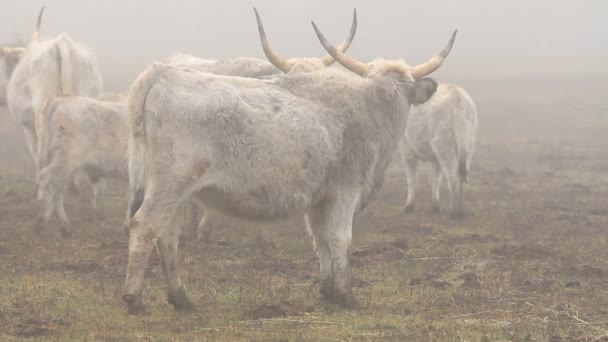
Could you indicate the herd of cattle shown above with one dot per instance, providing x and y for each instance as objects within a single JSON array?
[{"x": 254, "y": 139}]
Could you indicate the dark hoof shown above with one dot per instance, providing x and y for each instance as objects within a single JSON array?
[
  {"x": 180, "y": 301},
  {"x": 126, "y": 230},
  {"x": 408, "y": 209},
  {"x": 347, "y": 301},
  {"x": 458, "y": 215},
  {"x": 327, "y": 289},
  {"x": 73, "y": 189},
  {"x": 39, "y": 226},
  {"x": 65, "y": 233},
  {"x": 330, "y": 294},
  {"x": 134, "y": 305},
  {"x": 435, "y": 209}
]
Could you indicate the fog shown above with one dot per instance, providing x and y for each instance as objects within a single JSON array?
[{"x": 135, "y": 33}]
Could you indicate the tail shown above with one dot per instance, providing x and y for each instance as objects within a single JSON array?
[
  {"x": 136, "y": 107},
  {"x": 64, "y": 61},
  {"x": 38, "y": 22},
  {"x": 464, "y": 120},
  {"x": 44, "y": 132}
]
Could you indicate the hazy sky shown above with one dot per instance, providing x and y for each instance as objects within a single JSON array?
[{"x": 123, "y": 31}]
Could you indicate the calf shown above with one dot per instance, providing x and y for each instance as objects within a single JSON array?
[
  {"x": 442, "y": 132},
  {"x": 78, "y": 135}
]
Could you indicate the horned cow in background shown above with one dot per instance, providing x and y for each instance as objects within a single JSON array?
[
  {"x": 48, "y": 68},
  {"x": 314, "y": 144},
  {"x": 441, "y": 131}
]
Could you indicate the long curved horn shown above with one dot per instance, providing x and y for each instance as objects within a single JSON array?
[
  {"x": 343, "y": 47},
  {"x": 274, "y": 58},
  {"x": 38, "y": 22},
  {"x": 346, "y": 61},
  {"x": 434, "y": 63}
]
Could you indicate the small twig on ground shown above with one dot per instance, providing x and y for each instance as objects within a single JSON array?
[{"x": 436, "y": 258}]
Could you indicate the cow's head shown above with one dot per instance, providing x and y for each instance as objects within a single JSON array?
[
  {"x": 301, "y": 64},
  {"x": 9, "y": 58},
  {"x": 419, "y": 87}
]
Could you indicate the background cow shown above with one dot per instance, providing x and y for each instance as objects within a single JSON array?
[
  {"x": 49, "y": 68},
  {"x": 78, "y": 135},
  {"x": 441, "y": 131}
]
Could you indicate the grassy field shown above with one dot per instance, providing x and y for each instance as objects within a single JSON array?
[{"x": 530, "y": 263}]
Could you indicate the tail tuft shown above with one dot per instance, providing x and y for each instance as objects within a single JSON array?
[{"x": 463, "y": 172}]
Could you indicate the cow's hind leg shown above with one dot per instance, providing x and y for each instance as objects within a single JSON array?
[
  {"x": 411, "y": 172},
  {"x": 444, "y": 150},
  {"x": 46, "y": 195},
  {"x": 32, "y": 143},
  {"x": 145, "y": 227},
  {"x": 65, "y": 226},
  {"x": 98, "y": 190},
  {"x": 167, "y": 245},
  {"x": 435, "y": 178}
]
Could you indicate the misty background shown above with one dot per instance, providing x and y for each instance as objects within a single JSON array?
[{"x": 494, "y": 37}]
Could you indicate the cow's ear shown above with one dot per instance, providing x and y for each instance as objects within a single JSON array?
[{"x": 422, "y": 90}]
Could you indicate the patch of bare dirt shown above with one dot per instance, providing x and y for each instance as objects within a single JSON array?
[
  {"x": 599, "y": 212},
  {"x": 468, "y": 238},
  {"x": 587, "y": 271},
  {"x": 274, "y": 310},
  {"x": 385, "y": 251},
  {"x": 81, "y": 266},
  {"x": 531, "y": 250},
  {"x": 471, "y": 280},
  {"x": 38, "y": 327},
  {"x": 431, "y": 281}
]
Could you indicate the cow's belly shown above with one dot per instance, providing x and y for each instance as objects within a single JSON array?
[{"x": 255, "y": 205}]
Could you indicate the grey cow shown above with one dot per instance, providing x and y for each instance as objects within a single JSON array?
[
  {"x": 441, "y": 131},
  {"x": 243, "y": 67},
  {"x": 314, "y": 144},
  {"x": 48, "y": 68},
  {"x": 78, "y": 135}
]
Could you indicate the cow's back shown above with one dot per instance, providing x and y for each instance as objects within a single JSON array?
[{"x": 49, "y": 68}]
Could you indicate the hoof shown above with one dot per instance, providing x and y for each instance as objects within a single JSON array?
[
  {"x": 435, "y": 209},
  {"x": 65, "y": 233},
  {"x": 180, "y": 301},
  {"x": 39, "y": 226},
  {"x": 134, "y": 305},
  {"x": 408, "y": 209},
  {"x": 458, "y": 215},
  {"x": 327, "y": 289},
  {"x": 73, "y": 189}
]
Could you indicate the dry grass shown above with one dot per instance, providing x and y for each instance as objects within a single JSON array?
[{"x": 529, "y": 264}]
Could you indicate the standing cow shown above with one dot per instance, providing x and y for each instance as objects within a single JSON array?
[
  {"x": 10, "y": 57},
  {"x": 243, "y": 67},
  {"x": 441, "y": 131},
  {"x": 78, "y": 135},
  {"x": 313, "y": 144},
  {"x": 46, "y": 69}
]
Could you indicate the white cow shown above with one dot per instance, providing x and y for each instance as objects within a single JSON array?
[
  {"x": 48, "y": 68},
  {"x": 441, "y": 131},
  {"x": 78, "y": 135},
  {"x": 315, "y": 144},
  {"x": 244, "y": 67}
]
